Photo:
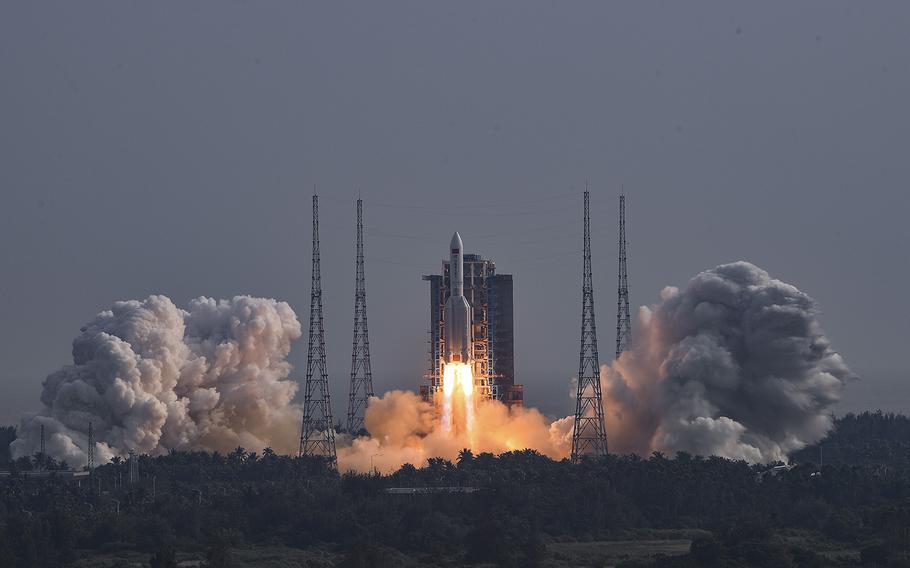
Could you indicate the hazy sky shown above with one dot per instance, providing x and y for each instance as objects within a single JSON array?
[{"x": 173, "y": 147}]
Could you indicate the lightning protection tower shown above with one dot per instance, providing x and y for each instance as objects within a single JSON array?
[
  {"x": 91, "y": 448},
  {"x": 623, "y": 317},
  {"x": 133, "y": 467},
  {"x": 361, "y": 375},
  {"x": 589, "y": 437},
  {"x": 317, "y": 434}
]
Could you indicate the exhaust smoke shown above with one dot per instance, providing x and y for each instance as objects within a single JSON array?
[
  {"x": 735, "y": 365},
  {"x": 152, "y": 377}
]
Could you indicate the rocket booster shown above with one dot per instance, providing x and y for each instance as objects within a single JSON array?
[{"x": 458, "y": 317}]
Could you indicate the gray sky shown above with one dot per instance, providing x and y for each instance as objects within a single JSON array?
[{"x": 172, "y": 148}]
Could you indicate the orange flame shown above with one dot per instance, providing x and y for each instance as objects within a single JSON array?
[{"x": 458, "y": 402}]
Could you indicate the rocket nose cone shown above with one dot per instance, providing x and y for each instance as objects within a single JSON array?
[{"x": 456, "y": 242}]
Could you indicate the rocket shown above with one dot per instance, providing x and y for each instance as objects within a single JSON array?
[{"x": 458, "y": 316}]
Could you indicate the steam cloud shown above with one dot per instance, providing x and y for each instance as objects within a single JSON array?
[
  {"x": 735, "y": 365},
  {"x": 152, "y": 377}
]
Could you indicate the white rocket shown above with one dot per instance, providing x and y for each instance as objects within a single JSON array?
[{"x": 458, "y": 316}]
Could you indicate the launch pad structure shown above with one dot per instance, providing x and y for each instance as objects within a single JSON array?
[{"x": 490, "y": 297}]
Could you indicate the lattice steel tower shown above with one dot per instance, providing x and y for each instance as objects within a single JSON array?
[
  {"x": 623, "y": 317},
  {"x": 91, "y": 448},
  {"x": 133, "y": 467},
  {"x": 361, "y": 375},
  {"x": 589, "y": 436},
  {"x": 317, "y": 434}
]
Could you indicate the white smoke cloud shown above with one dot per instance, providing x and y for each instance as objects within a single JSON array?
[
  {"x": 152, "y": 377},
  {"x": 735, "y": 365}
]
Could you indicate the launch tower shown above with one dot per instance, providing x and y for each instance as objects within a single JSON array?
[{"x": 490, "y": 298}]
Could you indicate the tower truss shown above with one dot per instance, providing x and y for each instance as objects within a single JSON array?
[
  {"x": 90, "y": 462},
  {"x": 589, "y": 437},
  {"x": 133, "y": 467},
  {"x": 361, "y": 374},
  {"x": 317, "y": 434},
  {"x": 623, "y": 317}
]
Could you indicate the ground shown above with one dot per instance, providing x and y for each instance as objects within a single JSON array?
[{"x": 559, "y": 555}]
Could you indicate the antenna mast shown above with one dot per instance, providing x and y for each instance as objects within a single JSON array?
[
  {"x": 589, "y": 437},
  {"x": 361, "y": 374},
  {"x": 623, "y": 317},
  {"x": 317, "y": 434}
]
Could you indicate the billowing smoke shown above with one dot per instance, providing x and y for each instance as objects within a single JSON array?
[
  {"x": 734, "y": 365},
  {"x": 152, "y": 377},
  {"x": 405, "y": 429}
]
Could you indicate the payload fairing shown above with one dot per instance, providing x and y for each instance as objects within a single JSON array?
[{"x": 458, "y": 317}]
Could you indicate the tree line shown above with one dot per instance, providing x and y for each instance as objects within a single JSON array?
[{"x": 216, "y": 503}]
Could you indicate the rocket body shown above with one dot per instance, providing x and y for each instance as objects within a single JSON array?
[{"x": 458, "y": 316}]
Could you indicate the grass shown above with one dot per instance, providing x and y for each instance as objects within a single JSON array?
[
  {"x": 559, "y": 555},
  {"x": 258, "y": 557},
  {"x": 610, "y": 553}
]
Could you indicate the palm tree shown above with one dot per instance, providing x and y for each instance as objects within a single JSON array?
[{"x": 465, "y": 458}]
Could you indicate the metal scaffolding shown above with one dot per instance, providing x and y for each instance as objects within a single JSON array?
[{"x": 479, "y": 274}]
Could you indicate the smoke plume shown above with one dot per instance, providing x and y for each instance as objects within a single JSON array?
[
  {"x": 152, "y": 377},
  {"x": 405, "y": 429},
  {"x": 735, "y": 365}
]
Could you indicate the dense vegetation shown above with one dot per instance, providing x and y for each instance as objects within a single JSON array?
[
  {"x": 868, "y": 438},
  {"x": 7, "y": 435},
  {"x": 855, "y": 513}
]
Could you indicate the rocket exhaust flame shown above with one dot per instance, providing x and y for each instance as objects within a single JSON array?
[{"x": 458, "y": 403}]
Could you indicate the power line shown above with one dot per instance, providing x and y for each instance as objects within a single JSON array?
[{"x": 508, "y": 204}]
